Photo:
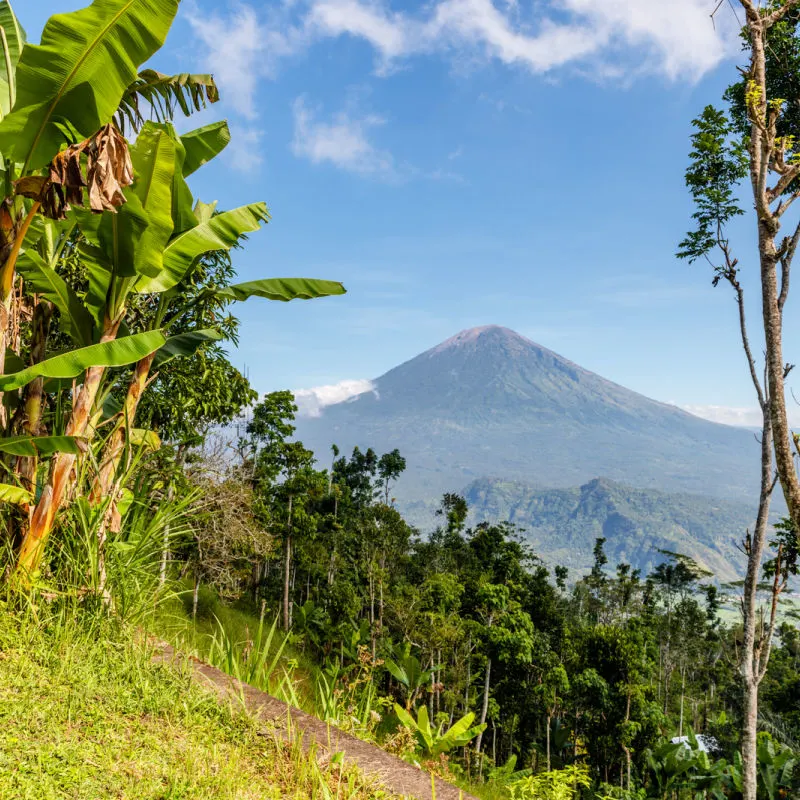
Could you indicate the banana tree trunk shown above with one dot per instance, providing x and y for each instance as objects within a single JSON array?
[
  {"x": 105, "y": 484},
  {"x": 12, "y": 245},
  {"x": 61, "y": 479},
  {"x": 115, "y": 444},
  {"x": 34, "y": 393}
]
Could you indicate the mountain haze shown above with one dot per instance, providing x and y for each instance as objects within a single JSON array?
[{"x": 491, "y": 403}]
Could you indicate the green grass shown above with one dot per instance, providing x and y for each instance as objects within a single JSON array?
[
  {"x": 229, "y": 638},
  {"x": 85, "y": 714}
]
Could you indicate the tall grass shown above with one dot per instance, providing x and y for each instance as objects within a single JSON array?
[
  {"x": 257, "y": 661},
  {"x": 123, "y": 572}
]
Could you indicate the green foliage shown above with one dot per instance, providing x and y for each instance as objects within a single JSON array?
[
  {"x": 408, "y": 672},
  {"x": 12, "y": 48},
  {"x": 220, "y": 232},
  {"x": 41, "y": 445},
  {"x": 255, "y": 661},
  {"x": 164, "y": 95},
  {"x": 562, "y": 784},
  {"x": 434, "y": 741},
  {"x": 718, "y": 163},
  {"x": 86, "y": 714},
  {"x": 565, "y": 523},
  {"x": 116, "y": 353},
  {"x": 283, "y": 289},
  {"x": 79, "y": 73},
  {"x": 777, "y": 767}
]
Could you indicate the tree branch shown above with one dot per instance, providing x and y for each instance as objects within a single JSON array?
[
  {"x": 778, "y": 586},
  {"x": 786, "y": 265},
  {"x": 783, "y": 183},
  {"x": 779, "y": 13}
]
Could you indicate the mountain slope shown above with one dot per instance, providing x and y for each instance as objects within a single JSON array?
[
  {"x": 489, "y": 402},
  {"x": 562, "y": 524}
]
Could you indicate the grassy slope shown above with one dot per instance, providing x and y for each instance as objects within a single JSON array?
[{"x": 85, "y": 714}]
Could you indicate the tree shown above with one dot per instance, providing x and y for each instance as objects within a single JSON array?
[
  {"x": 390, "y": 467},
  {"x": 756, "y": 139}
]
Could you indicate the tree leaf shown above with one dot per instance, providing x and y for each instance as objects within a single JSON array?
[
  {"x": 405, "y": 718},
  {"x": 41, "y": 445},
  {"x": 14, "y": 494},
  {"x": 154, "y": 164},
  {"x": 86, "y": 61},
  {"x": 203, "y": 144},
  {"x": 185, "y": 344},
  {"x": 283, "y": 289},
  {"x": 117, "y": 353},
  {"x": 75, "y": 320},
  {"x": 149, "y": 440},
  {"x": 219, "y": 232},
  {"x": 397, "y": 672},
  {"x": 165, "y": 94},
  {"x": 15, "y": 41},
  {"x": 424, "y": 726}
]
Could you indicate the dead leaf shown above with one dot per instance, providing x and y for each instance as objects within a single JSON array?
[{"x": 108, "y": 171}]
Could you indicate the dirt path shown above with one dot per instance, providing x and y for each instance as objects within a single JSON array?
[{"x": 393, "y": 773}]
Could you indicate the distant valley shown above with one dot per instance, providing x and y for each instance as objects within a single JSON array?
[{"x": 563, "y": 524}]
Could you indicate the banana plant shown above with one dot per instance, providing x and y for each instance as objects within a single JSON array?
[
  {"x": 776, "y": 769},
  {"x": 406, "y": 669},
  {"x": 434, "y": 741},
  {"x": 65, "y": 91},
  {"x": 196, "y": 231},
  {"x": 140, "y": 232}
]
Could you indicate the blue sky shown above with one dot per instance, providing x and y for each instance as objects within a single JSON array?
[{"x": 459, "y": 163}]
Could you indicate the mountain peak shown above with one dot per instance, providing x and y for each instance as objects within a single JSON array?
[{"x": 471, "y": 336}]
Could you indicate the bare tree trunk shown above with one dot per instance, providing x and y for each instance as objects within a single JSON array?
[
  {"x": 195, "y": 594},
  {"x": 468, "y": 681},
  {"x": 683, "y": 694},
  {"x": 755, "y": 654},
  {"x": 749, "y": 738},
  {"x": 34, "y": 392},
  {"x": 485, "y": 706},
  {"x": 766, "y": 156},
  {"x": 371, "y": 578},
  {"x": 433, "y": 689},
  {"x": 547, "y": 734},
  {"x": 286, "y": 571},
  {"x": 287, "y": 622},
  {"x": 115, "y": 444},
  {"x": 11, "y": 247}
]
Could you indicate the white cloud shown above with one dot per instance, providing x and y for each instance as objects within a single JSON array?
[
  {"x": 392, "y": 34},
  {"x": 727, "y": 415},
  {"x": 678, "y": 36},
  {"x": 342, "y": 141},
  {"x": 609, "y": 40},
  {"x": 742, "y": 416},
  {"x": 605, "y": 39},
  {"x": 310, "y": 402},
  {"x": 236, "y": 47},
  {"x": 676, "y": 39}
]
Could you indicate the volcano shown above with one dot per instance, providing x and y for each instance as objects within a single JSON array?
[{"x": 489, "y": 403}]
